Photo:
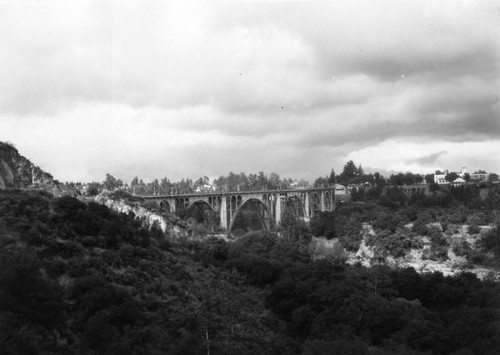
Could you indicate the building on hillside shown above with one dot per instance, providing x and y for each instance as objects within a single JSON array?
[
  {"x": 458, "y": 181},
  {"x": 340, "y": 189},
  {"x": 441, "y": 178},
  {"x": 205, "y": 188},
  {"x": 480, "y": 175}
]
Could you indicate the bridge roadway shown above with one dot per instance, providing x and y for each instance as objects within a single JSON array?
[{"x": 269, "y": 204}]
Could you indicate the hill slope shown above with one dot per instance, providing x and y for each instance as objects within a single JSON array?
[
  {"x": 79, "y": 278},
  {"x": 16, "y": 171}
]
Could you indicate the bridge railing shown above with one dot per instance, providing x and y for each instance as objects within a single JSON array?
[{"x": 228, "y": 192}]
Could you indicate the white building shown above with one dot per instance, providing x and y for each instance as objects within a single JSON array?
[
  {"x": 441, "y": 178},
  {"x": 479, "y": 175}
]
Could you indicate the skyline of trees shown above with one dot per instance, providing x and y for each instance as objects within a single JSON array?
[{"x": 352, "y": 174}]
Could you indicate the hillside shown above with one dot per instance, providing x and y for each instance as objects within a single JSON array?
[
  {"x": 79, "y": 278},
  {"x": 16, "y": 171}
]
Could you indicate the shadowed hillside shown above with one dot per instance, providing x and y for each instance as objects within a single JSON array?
[
  {"x": 16, "y": 171},
  {"x": 79, "y": 278}
]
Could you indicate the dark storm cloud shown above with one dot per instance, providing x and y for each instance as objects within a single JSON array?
[
  {"x": 426, "y": 160},
  {"x": 434, "y": 66}
]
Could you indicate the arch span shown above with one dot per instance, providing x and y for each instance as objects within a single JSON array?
[
  {"x": 262, "y": 211},
  {"x": 165, "y": 206},
  {"x": 200, "y": 202},
  {"x": 201, "y": 211},
  {"x": 294, "y": 204}
]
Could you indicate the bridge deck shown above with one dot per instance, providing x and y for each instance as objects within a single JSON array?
[{"x": 246, "y": 192}]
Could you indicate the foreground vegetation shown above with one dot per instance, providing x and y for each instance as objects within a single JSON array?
[{"x": 78, "y": 278}]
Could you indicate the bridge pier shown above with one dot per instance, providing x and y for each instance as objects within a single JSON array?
[
  {"x": 278, "y": 208},
  {"x": 307, "y": 208},
  {"x": 223, "y": 213}
]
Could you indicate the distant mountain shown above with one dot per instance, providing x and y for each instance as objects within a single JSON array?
[{"x": 16, "y": 171}]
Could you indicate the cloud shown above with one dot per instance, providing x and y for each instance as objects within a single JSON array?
[
  {"x": 427, "y": 159},
  {"x": 427, "y": 156},
  {"x": 179, "y": 87}
]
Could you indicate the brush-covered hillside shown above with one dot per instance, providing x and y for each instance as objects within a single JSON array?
[
  {"x": 79, "y": 278},
  {"x": 451, "y": 229},
  {"x": 16, "y": 171}
]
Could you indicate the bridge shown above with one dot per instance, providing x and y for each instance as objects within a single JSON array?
[{"x": 269, "y": 204}]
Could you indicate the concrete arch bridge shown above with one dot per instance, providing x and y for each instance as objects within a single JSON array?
[{"x": 270, "y": 204}]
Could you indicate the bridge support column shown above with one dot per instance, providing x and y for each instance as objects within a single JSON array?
[
  {"x": 322, "y": 201},
  {"x": 223, "y": 213},
  {"x": 278, "y": 208},
  {"x": 307, "y": 211}
]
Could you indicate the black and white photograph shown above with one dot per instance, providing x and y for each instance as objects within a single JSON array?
[{"x": 303, "y": 177}]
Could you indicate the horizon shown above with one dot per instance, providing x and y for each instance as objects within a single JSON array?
[
  {"x": 201, "y": 88},
  {"x": 212, "y": 178}
]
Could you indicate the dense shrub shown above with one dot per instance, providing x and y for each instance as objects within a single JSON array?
[
  {"x": 257, "y": 270},
  {"x": 474, "y": 229},
  {"x": 397, "y": 244},
  {"x": 323, "y": 225}
]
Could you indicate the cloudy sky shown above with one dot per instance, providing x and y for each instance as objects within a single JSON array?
[{"x": 186, "y": 89}]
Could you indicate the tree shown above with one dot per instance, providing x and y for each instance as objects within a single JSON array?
[
  {"x": 331, "y": 178},
  {"x": 274, "y": 181},
  {"x": 429, "y": 178},
  {"x": 433, "y": 187},
  {"x": 303, "y": 183},
  {"x": 93, "y": 188},
  {"x": 338, "y": 255},
  {"x": 320, "y": 182},
  {"x": 295, "y": 229},
  {"x": 450, "y": 177},
  {"x": 492, "y": 178},
  {"x": 379, "y": 180},
  {"x": 360, "y": 171},
  {"x": 111, "y": 183},
  {"x": 165, "y": 185},
  {"x": 350, "y": 172},
  {"x": 156, "y": 186},
  {"x": 323, "y": 224}
]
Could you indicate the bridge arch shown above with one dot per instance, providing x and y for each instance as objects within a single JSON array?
[
  {"x": 181, "y": 206},
  {"x": 263, "y": 212},
  {"x": 199, "y": 201},
  {"x": 165, "y": 205},
  {"x": 201, "y": 210},
  {"x": 316, "y": 202},
  {"x": 294, "y": 203}
]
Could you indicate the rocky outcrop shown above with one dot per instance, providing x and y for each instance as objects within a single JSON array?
[
  {"x": 16, "y": 171},
  {"x": 146, "y": 216},
  {"x": 322, "y": 248}
]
